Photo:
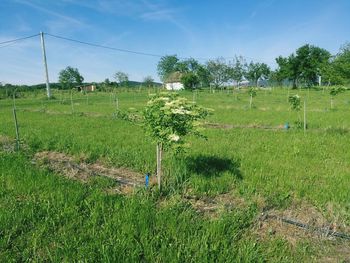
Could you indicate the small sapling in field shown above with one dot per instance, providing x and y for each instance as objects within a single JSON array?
[
  {"x": 252, "y": 93},
  {"x": 295, "y": 105},
  {"x": 168, "y": 118}
]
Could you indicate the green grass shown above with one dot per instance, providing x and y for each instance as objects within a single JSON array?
[{"x": 45, "y": 217}]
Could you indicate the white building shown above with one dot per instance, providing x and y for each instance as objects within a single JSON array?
[{"x": 173, "y": 81}]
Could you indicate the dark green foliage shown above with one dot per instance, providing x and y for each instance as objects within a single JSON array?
[
  {"x": 304, "y": 66},
  {"x": 256, "y": 71},
  {"x": 70, "y": 77},
  {"x": 166, "y": 66},
  {"x": 190, "y": 80}
]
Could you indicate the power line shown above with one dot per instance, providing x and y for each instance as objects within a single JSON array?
[
  {"x": 105, "y": 47},
  {"x": 138, "y": 52},
  {"x": 13, "y": 41},
  {"x": 17, "y": 39}
]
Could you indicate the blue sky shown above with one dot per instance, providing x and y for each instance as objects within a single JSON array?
[{"x": 257, "y": 29}]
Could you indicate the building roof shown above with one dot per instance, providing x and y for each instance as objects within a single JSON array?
[{"x": 174, "y": 77}]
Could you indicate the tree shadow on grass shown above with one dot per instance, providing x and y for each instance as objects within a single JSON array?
[{"x": 211, "y": 166}]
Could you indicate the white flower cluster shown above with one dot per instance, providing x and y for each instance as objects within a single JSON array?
[
  {"x": 173, "y": 137},
  {"x": 181, "y": 111}
]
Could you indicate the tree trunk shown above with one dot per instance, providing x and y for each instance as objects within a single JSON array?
[
  {"x": 295, "y": 84},
  {"x": 251, "y": 101}
]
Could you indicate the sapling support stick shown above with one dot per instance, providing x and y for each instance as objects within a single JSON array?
[
  {"x": 16, "y": 126},
  {"x": 159, "y": 163},
  {"x": 304, "y": 115},
  {"x": 331, "y": 102},
  {"x": 71, "y": 101},
  {"x": 251, "y": 101}
]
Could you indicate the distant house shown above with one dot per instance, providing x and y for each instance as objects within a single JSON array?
[
  {"x": 86, "y": 88},
  {"x": 173, "y": 81}
]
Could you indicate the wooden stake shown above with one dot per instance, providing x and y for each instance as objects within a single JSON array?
[
  {"x": 159, "y": 163},
  {"x": 71, "y": 101},
  {"x": 304, "y": 115},
  {"x": 16, "y": 126}
]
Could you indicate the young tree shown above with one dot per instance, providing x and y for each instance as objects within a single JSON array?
[
  {"x": 252, "y": 93},
  {"x": 121, "y": 78},
  {"x": 256, "y": 71},
  {"x": 70, "y": 77},
  {"x": 295, "y": 105},
  {"x": 166, "y": 66},
  {"x": 168, "y": 118}
]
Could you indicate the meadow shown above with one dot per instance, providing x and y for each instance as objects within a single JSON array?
[{"x": 249, "y": 159}]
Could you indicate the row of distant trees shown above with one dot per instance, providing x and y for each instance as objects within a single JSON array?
[
  {"x": 70, "y": 77},
  {"x": 304, "y": 67}
]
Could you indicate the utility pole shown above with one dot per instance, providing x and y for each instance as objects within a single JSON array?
[{"x": 48, "y": 91}]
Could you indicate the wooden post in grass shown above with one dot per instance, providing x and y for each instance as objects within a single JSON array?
[
  {"x": 304, "y": 115},
  {"x": 116, "y": 101},
  {"x": 71, "y": 101},
  {"x": 159, "y": 163},
  {"x": 16, "y": 126},
  {"x": 251, "y": 101}
]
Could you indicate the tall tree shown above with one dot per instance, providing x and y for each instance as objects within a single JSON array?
[
  {"x": 188, "y": 65},
  {"x": 305, "y": 65},
  {"x": 311, "y": 60},
  {"x": 70, "y": 77},
  {"x": 341, "y": 64},
  {"x": 256, "y": 71},
  {"x": 121, "y": 78},
  {"x": 219, "y": 72},
  {"x": 203, "y": 76},
  {"x": 236, "y": 70},
  {"x": 282, "y": 72},
  {"x": 166, "y": 66}
]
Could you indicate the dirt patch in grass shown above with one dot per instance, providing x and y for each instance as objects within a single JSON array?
[
  {"x": 69, "y": 167},
  {"x": 248, "y": 126},
  {"x": 303, "y": 222},
  {"x": 213, "y": 206},
  {"x": 7, "y": 144}
]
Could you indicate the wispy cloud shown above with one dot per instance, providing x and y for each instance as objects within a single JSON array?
[
  {"x": 162, "y": 14},
  {"x": 50, "y": 12}
]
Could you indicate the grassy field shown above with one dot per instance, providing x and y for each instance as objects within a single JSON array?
[{"x": 248, "y": 158}]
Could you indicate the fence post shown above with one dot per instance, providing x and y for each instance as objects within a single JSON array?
[
  {"x": 16, "y": 126},
  {"x": 304, "y": 115}
]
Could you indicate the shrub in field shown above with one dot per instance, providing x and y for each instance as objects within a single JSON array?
[
  {"x": 168, "y": 118},
  {"x": 252, "y": 93},
  {"x": 295, "y": 102},
  {"x": 334, "y": 92},
  {"x": 295, "y": 105}
]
